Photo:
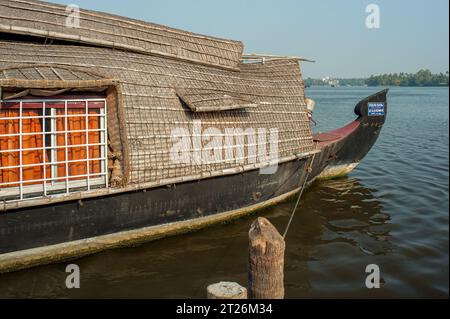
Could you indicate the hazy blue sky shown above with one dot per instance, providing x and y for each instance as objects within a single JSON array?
[{"x": 412, "y": 34}]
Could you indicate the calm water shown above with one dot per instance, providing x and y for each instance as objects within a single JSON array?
[{"x": 393, "y": 211}]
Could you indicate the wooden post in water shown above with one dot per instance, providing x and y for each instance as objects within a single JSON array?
[{"x": 265, "y": 261}]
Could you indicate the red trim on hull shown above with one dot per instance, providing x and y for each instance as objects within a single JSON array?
[{"x": 329, "y": 137}]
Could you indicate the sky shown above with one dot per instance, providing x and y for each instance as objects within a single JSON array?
[{"x": 412, "y": 34}]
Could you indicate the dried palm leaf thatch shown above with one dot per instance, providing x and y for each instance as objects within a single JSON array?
[
  {"x": 49, "y": 21},
  {"x": 200, "y": 100}
]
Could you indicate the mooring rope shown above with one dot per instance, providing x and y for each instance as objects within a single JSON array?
[{"x": 308, "y": 171}]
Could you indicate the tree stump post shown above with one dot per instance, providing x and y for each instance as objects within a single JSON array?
[
  {"x": 226, "y": 290},
  {"x": 265, "y": 261}
]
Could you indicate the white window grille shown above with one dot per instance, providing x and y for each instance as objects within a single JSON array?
[{"x": 58, "y": 147}]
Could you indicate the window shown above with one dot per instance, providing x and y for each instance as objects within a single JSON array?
[{"x": 52, "y": 146}]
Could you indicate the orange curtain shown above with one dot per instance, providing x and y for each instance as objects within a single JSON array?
[
  {"x": 29, "y": 156},
  {"x": 32, "y": 125},
  {"x": 9, "y": 143},
  {"x": 76, "y": 122},
  {"x": 94, "y": 138}
]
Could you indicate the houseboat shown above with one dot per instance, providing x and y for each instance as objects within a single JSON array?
[{"x": 115, "y": 131}]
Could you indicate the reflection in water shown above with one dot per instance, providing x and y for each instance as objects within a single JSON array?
[
  {"x": 334, "y": 215},
  {"x": 339, "y": 221},
  {"x": 352, "y": 215}
]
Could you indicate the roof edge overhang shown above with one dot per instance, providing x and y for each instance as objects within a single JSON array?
[
  {"x": 105, "y": 44},
  {"x": 262, "y": 58},
  {"x": 94, "y": 79},
  {"x": 51, "y": 84},
  {"x": 204, "y": 100}
]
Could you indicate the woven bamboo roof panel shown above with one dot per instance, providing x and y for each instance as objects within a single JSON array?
[
  {"x": 152, "y": 108},
  {"x": 200, "y": 100},
  {"x": 47, "y": 73},
  {"x": 47, "y": 20}
]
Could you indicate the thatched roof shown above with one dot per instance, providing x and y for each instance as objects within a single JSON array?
[
  {"x": 48, "y": 21},
  {"x": 157, "y": 94},
  {"x": 47, "y": 73},
  {"x": 204, "y": 100}
]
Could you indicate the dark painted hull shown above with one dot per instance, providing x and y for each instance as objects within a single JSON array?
[
  {"x": 69, "y": 221},
  {"x": 342, "y": 149},
  {"x": 72, "y": 221}
]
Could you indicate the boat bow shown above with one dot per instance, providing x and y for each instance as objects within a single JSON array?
[{"x": 342, "y": 149}]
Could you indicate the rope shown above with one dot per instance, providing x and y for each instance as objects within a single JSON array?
[{"x": 308, "y": 171}]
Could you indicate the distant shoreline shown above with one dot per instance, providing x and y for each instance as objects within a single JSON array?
[
  {"x": 422, "y": 78},
  {"x": 400, "y": 86}
]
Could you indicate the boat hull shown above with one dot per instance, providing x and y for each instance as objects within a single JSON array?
[
  {"x": 51, "y": 233},
  {"x": 75, "y": 220},
  {"x": 341, "y": 150}
]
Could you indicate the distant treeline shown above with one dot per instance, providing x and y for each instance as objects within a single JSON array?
[{"x": 421, "y": 78}]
